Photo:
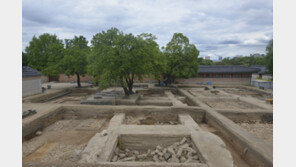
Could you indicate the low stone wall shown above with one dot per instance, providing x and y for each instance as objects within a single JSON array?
[
  {"x": 264, "y": 84},
  {"x": 31, "y": 86}
]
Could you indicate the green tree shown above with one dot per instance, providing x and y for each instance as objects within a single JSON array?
[
  {"x": 159, "y": 66},
  {"x": 202, "y": 61},
  {"x": 44, "y": 54},
  {"x": 182, "y": 58},
  {"x": 269, "y": 57},
  {"x": 118, "y": 58},
  {"x": 74, "y": 61},
  {"x": 246, "y": 61}
]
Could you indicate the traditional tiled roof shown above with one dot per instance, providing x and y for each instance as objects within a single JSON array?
[
  {"x": 263, "y": 69},
  {"x": 226, "y": 69},
  {"x": 29, "y": 72}
]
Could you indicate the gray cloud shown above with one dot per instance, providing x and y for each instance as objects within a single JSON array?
[
  {"x": 231, "y": 41},
  {"x": 225, "y": 28}
]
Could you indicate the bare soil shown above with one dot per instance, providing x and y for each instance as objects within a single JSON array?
[
  {"x": 250, "y": 93},
  {"x": 200, "y": 92},
  {"x": 74, "y": 98},
  {"x": 62, "y": 141},
  {"x": 229, "y": 104},
  {"x": 261, "y": 130}
]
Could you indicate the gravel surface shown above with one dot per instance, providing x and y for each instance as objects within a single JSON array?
[{"x": 261, "y": 130}]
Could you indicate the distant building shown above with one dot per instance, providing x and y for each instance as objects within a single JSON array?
[
  {"x": 262, "y": 73},
  {"x": 220, "y": 74},
  {"x": 73, "y": 78},
  {"x": 31, "y": 82},
  {"x": 207, "y": 58},
  {"x": 220, "y": 58},
  {"x": 256, "y": 55}
]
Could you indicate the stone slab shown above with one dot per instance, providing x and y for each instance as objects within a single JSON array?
[
  {"x": 101, "y": 147},
  {"x": 211, "y": 148}
]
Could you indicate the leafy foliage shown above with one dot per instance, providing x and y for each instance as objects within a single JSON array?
[
  {"x": 118, "y": 58},
  {"x": 74, "y": 61},
  {"x": 202, "y": 61},
  {"x": 246, "y": 61},
  {"x": 182, "y": 58},
  {"x": 44, "y": 54}
]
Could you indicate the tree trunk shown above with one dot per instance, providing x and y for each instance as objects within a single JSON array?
[
  {"x": 78, "y": 80},
  {"x": 126, "y": 91},
  {"x": 130, "y": 81},
  {"x": 173, "y": 80},
  {"x": 130, "y": 88}
]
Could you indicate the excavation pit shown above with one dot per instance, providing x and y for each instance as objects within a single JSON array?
[
  {"x": 62, "y": 141},
  {"x": 171, "y": 150},
  {"x": 200, "y": 92},
  {"x": 140, "y": 128},
  {"x": 263, "y": 130},
  {"x": 248, "y": 92},
  {"x": 228, "y": 103}
]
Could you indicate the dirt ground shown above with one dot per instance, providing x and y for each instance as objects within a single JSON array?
[
  {"x": 75, "y": 97},
  {"x": 229, "y": 104},
  {"x": 250, "y": 93},
  {"x": 200, "y": 92},
  {"x": 261, "y": 130},
  {"x": 62, "y": 141}
]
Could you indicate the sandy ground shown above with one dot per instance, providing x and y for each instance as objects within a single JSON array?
[
  {"x": 200, "y": 92},
  {"x": 62, "y": 141},
  {"x": 65, "y": 139},
  {"x": 75, "y": 97},
  {"x": 261, "y": 130},
  {"x": 247, "y": 93},
  {"x": 229, "y": 104}
]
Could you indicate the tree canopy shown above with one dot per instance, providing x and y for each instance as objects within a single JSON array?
[
  {"x": 118, "y": 58},
  {"x": 74, "y": 61},
  {"x": 45, "y": 53},
  {"x": 202, "y": 61},
  {"x": 246, "y": 61},
  {"x": 182, "y": 58}
]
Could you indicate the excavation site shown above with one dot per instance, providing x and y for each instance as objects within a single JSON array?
[{"x": 180, "y": 125}]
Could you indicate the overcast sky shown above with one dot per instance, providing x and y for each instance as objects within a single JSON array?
[{"x": 217, "y": 27}]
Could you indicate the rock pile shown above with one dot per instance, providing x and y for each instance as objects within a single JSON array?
[
  {"x": 179, "y": 152},
  {"x": 147, "y": 121}
]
